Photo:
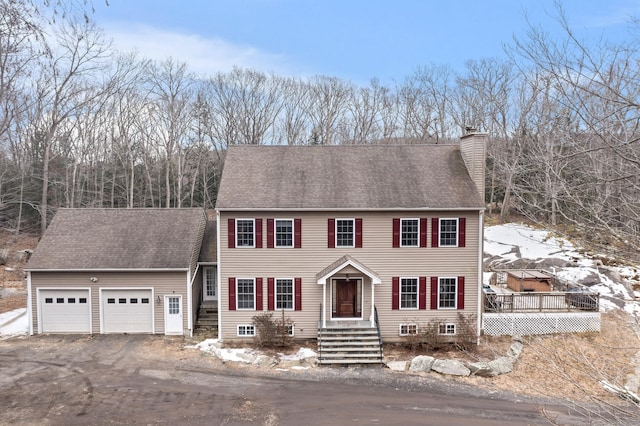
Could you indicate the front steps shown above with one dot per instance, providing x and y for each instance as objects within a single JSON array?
[
  {"x": 342, "y": 345},
  {"x": 207, "y": 318}
]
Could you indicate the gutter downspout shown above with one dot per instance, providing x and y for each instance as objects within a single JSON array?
[
  {"x": 29, "y": 304},
  {"x": 190, "y": 296},
  {"x": 219, "y": 274},
  {"x": 480, "y": 276}
]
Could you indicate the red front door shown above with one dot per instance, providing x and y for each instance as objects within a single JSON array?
[{"x": 347, "y": 303}]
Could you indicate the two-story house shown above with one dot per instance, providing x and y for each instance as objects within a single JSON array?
[{"x": 332, "y": 234}]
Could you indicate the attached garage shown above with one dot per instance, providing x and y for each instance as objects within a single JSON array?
[
  {"x": 126, "y": 311},
  {"x": 116, "y": 271},
  {"x": 65, "y": 311}
]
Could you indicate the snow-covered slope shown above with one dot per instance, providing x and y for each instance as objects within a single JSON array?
[{"x": 518, "y": 245}]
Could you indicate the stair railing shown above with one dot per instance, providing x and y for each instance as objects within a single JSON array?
[
  {"x": 375, "y": 317},
  {"x": 320, "y": 334}
]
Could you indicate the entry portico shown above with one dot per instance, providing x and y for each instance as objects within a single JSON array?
[{"x": 348, "y": 280}]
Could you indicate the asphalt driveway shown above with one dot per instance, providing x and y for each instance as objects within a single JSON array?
[{"x": 155, "y": 380}]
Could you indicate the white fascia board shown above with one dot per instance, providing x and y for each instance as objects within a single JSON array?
[
  {"x": 374, "y": 278},
  {"x": 112, "y": 270}
]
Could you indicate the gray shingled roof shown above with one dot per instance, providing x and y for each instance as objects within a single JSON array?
[
  {"x": 346, "y": 177},
  {"x": 81, "y": 239},
  {"x": 209, "y": 249}
]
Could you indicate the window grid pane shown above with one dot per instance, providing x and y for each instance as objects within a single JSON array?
[
  {"x": 447, "y": 293},
  {"x": 284, "y": 233},
  {"x": 174, "y": 306},
  {"x": 284, "y": 294},
  {"x": 344, "y": 233},
  {"x": 409, "y": 293},
  {"x": 244, "y": 232},
  {"x": 409, "y": 232},
  {"x": 245, "y": 294},
  {"x": 449, "y": 232}
]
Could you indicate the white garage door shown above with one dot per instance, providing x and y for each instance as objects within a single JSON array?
[
  {"x": 65, "y": 311},
  {"x": 127, "y": 311}
]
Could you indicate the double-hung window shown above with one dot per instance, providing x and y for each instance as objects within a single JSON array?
[
  {"x": 245, "y": 293},
  {"x": 448, "y": 232},
  {"x": 284, "y": 293},
  {"x": 344, "y": 232},
  {"x": 245, "y": 233},
  {"x": 408, "y": 293},
  {"x": 447, "y": 290},
  {"x": 284, "y": 232},
  {"x": 410, "y": 232}
]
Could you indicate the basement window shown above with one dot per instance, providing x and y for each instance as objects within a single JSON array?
[
  {"x": 408, "y": 329},
  {"x": 449, "y": 329},
  {"x": 246, "y": 330}
]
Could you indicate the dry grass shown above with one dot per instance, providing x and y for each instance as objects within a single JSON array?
[{"x": 571, "y": 366}]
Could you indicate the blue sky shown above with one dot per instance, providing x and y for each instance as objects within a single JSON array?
[{"x": 352, "y": 39}]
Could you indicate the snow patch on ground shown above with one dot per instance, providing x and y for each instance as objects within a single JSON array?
[
  {"x": 247, "y": 355},
  {"x": 14, "y": 323},
  {"x": 506, "y": 240}
]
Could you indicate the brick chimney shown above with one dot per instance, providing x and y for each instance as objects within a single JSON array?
[{"x": 473, "y": 147}]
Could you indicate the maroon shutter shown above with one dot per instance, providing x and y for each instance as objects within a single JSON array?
[
  {"x": 270, "y": 295},
  {"x": 258, "y": 294},
  {"x": 435, "y": 231},
  {"x": 269, "y": 233},
  {"x": 460, "y": 303},
  {"x": 395, "y": 293},
  {"x": 331, "y": 234},
  {"x": 232, "y": 294},
  {"x": 298, "y": 295},
  {"x": 434, "y": 292},
  {"x": 232, "y": 233},
  {"x": 258, "y": 233},
  {"x": 462, "y": 231},
  {"x": 396, "y": 232},
  {"x": 422, "y": 295},
  {"x": 423, "y": 232},
  {"x": 359, "y": 233},
  {"x": 297, "y": 233}
]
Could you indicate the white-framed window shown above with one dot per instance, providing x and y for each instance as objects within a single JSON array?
[
  {"x": 245, "y": 293},
  {"x": 291, "y": 330},
  {"x": 245, "y": 330},
  {"x": 283, "y": 232},
  {"x": 345, "y": 232},
  {"x": 409, "y": 293},
  {"x": 209, "y": 281},
  {"x": 447, "y": 328},
  {"x": 245, "y": 233},
  {"x": 408, "y": 329},
  {"x": 447, "y": 291},
  {"x": 409, "y": 232},
  {"x": 448, "y": 233},
  {"x": 284, "y": 293}
]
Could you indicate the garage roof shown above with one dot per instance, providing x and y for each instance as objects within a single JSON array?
[{"x": 90, "y": 239}]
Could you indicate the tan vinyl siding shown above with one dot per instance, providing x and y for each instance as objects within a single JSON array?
[
  {"x": 376, "y": 254},
  {"x": 162, "y": 283}
]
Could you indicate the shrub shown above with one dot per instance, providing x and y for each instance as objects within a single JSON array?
[{"x": 272, "y": 332}]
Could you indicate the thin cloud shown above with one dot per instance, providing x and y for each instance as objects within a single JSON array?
[{"x": 204, "y": 56}]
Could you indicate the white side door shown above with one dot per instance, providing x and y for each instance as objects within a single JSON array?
[
  {"x": 173, "y": 315},
  {"x": 209, "y": 284}
]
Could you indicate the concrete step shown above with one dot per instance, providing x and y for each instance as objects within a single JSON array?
[{"x": 349, "y": 361}]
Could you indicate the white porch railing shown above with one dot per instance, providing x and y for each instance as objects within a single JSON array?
[{"x": 522, "y": 324}]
